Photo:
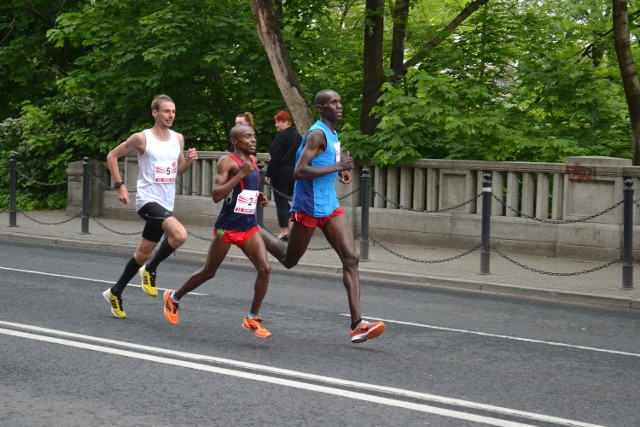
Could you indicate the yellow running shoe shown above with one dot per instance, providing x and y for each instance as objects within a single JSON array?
[
  {"x": 115, "y": 303},
  {"x": 148, "y": 282},
  {"x": 255, "y": 325},
  {"x": 170, "y": 308}
]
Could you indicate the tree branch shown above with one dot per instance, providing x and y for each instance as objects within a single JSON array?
[{"x": 455, "y": 23}]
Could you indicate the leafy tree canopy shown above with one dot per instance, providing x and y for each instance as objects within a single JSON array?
[
  {"x": 529, "y": 80},
  {"x": 521, "y": 80}
]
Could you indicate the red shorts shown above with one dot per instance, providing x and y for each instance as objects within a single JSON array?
[
  {"x": 312, "y": 221},
  {"x": 235, "y": 237}
]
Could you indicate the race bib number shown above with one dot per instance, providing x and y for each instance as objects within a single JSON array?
[
  {"x": 247, "y": 202},
  {"x": 166, "y": 171},
  {"x": 336, "y": 147}
]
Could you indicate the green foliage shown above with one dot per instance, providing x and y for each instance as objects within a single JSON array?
[
  {"x": 113, "y": 56},
  {"x": 435, "y": 121},
  {"x": 197, "y": 52},
  {"x": 36, "y": 124},
  {"x": 447, "y": 117},
  {"x": 512, "y": 83},
  {"x": 518, "y": 80},
  {"x": 44, "y": 140},
  {"x": 29, "y": 66},
  {"x": 324, "y": 42}
]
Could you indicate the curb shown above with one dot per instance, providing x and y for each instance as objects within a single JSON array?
[{"x": 378, "y": 276}]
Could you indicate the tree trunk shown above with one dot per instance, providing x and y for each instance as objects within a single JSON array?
[
  {"x": 268, "y": 26},
  {"x": 400, "y": 18},
  {"x": 628, "y": 71},
  {"x": 373, "y": 75}
]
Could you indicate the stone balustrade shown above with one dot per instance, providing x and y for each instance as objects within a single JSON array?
[{"x": 537, "y": 208}]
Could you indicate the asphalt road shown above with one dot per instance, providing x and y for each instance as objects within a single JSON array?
[{"x": 447, "y": 358}]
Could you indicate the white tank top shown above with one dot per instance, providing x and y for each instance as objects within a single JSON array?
[{"x": 158, "y": 171}]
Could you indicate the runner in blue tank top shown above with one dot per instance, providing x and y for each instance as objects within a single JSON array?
[
  {"x": 315, "y": 205},
  {"x": 317, "y": 197},
  {"x": 237, "y": 183}
]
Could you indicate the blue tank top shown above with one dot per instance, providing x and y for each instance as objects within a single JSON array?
[
  {"x": 317, "y": 197},
  {"x": 239, "y": 207}
]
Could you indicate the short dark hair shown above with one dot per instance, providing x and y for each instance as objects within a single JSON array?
[
  {"x": 236, "y": 130},
  {"x": 159, "y": 99},
  {"x": 322, "y": 96}
]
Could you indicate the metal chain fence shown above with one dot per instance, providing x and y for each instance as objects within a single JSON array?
[
  {"x": 558, "y": 221},
  {"x": 425, "y": 261},
  {"x": 106, "y": 186},
  {"x": 50, "y": 223},
  {"x": 399, "y": 206},
  {"x": 549, "y": 273},
  {"x": 44, "y": 184},
  {"x": 509, "y": 259},
  {"x": 115, "y": 231},
  {"x": 376, "y": 241}
]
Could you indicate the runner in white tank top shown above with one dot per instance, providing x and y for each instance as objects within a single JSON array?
[
  {"x": 160, "y": 161},
  {"x": 158, "y": 171}
]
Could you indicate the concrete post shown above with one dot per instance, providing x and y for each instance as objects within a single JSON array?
[
  {"x": 485, "y": 254},
  {"x": 86, "y": 196},
  {"x": 627, "y": 257},
  {"x": 13, "y": 183},
  {"x": 97, "y": 182},
  {"x": 259, "y": 208},
  {"x": 364, "y": 212}
]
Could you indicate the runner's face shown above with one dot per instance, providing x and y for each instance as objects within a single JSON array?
[
  {"x": 165, "y": 114},
  {"x": 331, "y": 109},
  {"x": 245, "y": 141}
]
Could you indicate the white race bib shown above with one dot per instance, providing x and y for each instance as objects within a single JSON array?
[
  {"x": 166, "y": 171},
  {"x": 247, "y": 202},
  {"x": 336, "y": 147}
]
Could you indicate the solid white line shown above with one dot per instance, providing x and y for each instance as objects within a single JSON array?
[
  {"x": 86, "y": 279},
  {"x": 266, "y": 379},
  {"x": 508, "y": 337},
  {"x": 307, "y": 376}
]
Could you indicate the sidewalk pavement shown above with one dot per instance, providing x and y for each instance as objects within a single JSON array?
[{"x": 509, "y": 274}]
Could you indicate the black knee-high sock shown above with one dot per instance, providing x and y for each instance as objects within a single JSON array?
[
  {"x": 130, "y": 270},
  {"x": 163, "y": 252}
]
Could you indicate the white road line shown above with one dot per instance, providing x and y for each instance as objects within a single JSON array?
[
  {"x": 294, "y": 374},
  {"x": 508, "y": 337},
  {"x": 86, "y": 279}
]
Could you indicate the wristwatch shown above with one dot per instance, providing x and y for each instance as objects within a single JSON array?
[{"x": 118, "y": 184}]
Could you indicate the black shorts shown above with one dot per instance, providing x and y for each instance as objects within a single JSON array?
[{"x": 154, "y": 215}]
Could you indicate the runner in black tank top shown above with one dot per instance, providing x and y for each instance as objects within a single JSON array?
[
  {"x": 237, "y": 183},
  {"x": 240, "y": 216}
]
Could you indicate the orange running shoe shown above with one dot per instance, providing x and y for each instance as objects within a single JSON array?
[
  {"x": 367, "y": 331},
  {"x": 255, "y": 325},
  {"x": 170, "y": 308}
]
